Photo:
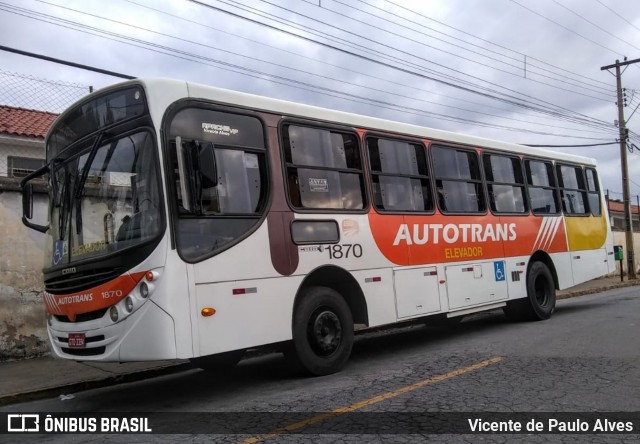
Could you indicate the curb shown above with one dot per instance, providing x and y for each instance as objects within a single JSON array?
[
  {"x": 52, "y": 392},
  {"x": 573, "y": 293}
]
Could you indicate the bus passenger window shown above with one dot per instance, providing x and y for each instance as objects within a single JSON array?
[
  {"x": 594, "y": 191},
  {"x": 542, "y": 187},
  {"x": 324, "y": 169},
  {"x": 399, "y": 175},
  {"x": 458, "y": 180},
  {"x": 572, "y": 189},
  {"x": 505, "y": 183}
]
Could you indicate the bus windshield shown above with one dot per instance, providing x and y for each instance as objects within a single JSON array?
[{"x": 104, "y": 199}]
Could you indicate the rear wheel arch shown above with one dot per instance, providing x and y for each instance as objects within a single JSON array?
[
  {"x": 542, "y": 256},
  {"x": 541, "y": 284},
  {"x": 342, "y": 282}
]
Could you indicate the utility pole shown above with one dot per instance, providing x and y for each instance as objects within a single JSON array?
[{"x": 631, "y": 268}]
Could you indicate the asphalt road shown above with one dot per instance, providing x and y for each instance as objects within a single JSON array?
[{"x": 584, "y": 359}]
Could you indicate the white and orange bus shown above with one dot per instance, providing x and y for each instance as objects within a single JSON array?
[{"x": 189, "y": 222}]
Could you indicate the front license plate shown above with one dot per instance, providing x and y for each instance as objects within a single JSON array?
[{"x": 77, "y": 340}]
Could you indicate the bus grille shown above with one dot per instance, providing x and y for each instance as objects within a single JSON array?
[
  {"x": 84, "y": 351},
  {"x": 81, "y": 280},
  {"x": 83, "y": 317}
]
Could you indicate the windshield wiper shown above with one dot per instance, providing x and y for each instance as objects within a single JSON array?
[
  {"x": 64, "y": 206},
  {"x": 80, "y": 180},
  {"x": 87, "y": 165}
]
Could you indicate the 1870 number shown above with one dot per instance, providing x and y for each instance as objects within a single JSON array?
[{"x": 340, "y": 251}]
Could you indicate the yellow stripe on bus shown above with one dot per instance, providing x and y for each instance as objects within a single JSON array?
[{"x": 586, "y": 233}]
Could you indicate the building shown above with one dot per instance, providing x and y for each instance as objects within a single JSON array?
[
  {"x": 22, "y": 133},
  {"x": 616, "y": 215},
  {"x": 22, "y": 332}
]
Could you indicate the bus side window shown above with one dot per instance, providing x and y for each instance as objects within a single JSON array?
[
  {"x": 593, "y": 187},
  {"x": 505, "y": 183},
  {"x": 324, "y": 169},
  {"x": 399, "y": 175},
  {"x": 572, "y": 189},
  {"x": 458, "y": 180},
  {"x": 541, "y": 186}
]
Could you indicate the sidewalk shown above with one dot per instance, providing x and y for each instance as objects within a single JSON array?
[{"x": 45, "y": 377}]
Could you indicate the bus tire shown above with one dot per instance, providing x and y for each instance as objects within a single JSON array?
[
  {"x": 220, "y": 364},
  {"x": 322, "y": 332},
  {"x": 540, "y": 302}
]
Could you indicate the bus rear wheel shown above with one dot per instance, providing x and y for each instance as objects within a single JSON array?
[
  {"x": 541, "y": 296},
  {"x": 322, "y": 332}
]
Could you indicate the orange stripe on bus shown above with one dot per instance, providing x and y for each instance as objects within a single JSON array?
[{"x": 92, "y": 299}]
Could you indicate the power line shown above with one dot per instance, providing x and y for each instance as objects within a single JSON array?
[
  {"x": 302, "y": 85},
  {"x": 520, "y": 61},
  {"x": 351, "y": 32},
  {"x": 594, "y": 24},
  {"x": 570, "y": 146},
  {"x": 413, "y": 12},
  {"x": 307, "y": 73},
  {"x": 633, "y": 112},
  {"x": 339, "y": 66},
  {"x": 548, "y": 108},
  {"x": 64, "y": 62},
  {"x": 618, "y": 15},
  {"x": 296, "y": 54},
  {"x": 564, "y": 27}
]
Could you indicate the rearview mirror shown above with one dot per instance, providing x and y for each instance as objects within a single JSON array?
[{"x": 27, "y": 199}]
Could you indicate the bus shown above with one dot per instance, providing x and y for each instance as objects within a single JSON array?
[{"x": 191, "y": 222}]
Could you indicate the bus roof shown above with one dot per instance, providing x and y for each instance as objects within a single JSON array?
[
  {"x": 365, "y": 122},
  {"x": 293, "y": 109}
]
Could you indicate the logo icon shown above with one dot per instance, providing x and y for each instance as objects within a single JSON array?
[{"x": 29, "y": 422}]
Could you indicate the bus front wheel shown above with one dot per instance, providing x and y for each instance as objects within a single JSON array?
[
  {"x": 541, "y": 296},
  {"x": 322, "y": 332}
]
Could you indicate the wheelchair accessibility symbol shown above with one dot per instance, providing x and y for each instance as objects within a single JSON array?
[
  {"x": 498, "y": 270},
  {"x": 58, "y": 252}
]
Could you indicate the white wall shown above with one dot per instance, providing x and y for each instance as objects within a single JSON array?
[
  {"x": 22, "y": 315},
  {"x": 620, "y": 239}
]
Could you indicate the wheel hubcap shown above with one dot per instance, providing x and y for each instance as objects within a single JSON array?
[{"x": 324, "y": 332}]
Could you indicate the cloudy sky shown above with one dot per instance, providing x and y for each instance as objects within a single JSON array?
[{"x": 525, "y": 71}]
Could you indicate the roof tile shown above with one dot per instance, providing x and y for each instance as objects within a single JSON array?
[{"x": 25, "y": 122}]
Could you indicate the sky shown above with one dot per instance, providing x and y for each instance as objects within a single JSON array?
[{"x": 523, "y": 71}]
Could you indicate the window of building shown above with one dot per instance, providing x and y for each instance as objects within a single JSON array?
[
  {"x": 458, "y": 180},
  {"x": 573, "y": 190},
  {"x": 324, "y": 168},
  {"x": 593, "y": 187},
  {"x": 399, "y": 175},
  {"x": 23, "y": 166},
  {"x": 505, "y": 183},
  {"x": 541, "y": 186}
]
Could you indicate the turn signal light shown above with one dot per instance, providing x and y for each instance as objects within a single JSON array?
[
  {"x": 208, "y": 311},
  {"x": 149, "y": 276}
]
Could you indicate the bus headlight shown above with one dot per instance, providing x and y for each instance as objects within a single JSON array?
[
  {"x": 128, "y": 304},
  {"x": 144, "y": 290},
  {"x": 113, "y": 312}
]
